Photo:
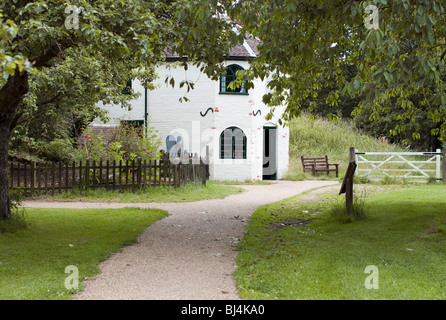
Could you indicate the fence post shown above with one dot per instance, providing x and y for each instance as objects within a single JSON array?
[
  {"x": 33, "y": 177},
  {"x": 60, "y": 177},
  {"x": 66, "y": 177},
  {"x": 93, "y": 174},
  {"x": 165, "y": 167},
  {"x": 73, "y": 175},
  {"x": 39, "y": 176},
  {"x": 139, "y": 173},
  {"x": 207, "y": 164},
  {"x": 87, "y": 174},
  {"x": 444, "y": 166},
  {"x": 347, "y": 184}
]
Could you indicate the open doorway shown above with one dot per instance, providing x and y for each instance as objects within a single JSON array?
[{"x": 269, "y": 153}]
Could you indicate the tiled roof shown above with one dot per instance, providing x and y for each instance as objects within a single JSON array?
[
  {"x": 245, "y": 50},
  {"x": 248, "y": 49}
]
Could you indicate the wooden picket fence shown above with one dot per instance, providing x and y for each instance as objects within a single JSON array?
[{"x": 50, "y": 178}]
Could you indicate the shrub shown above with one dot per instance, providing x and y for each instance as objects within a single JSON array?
[
  {"x": 124, "y": 143},
  {"x": 135, "y": 142},
  {"x": 57, "y": 150}
]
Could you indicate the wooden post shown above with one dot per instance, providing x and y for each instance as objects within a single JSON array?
[
  {"x": 60, "y": 177},
  {"x": 100, "y": 174},
  {"x": 150, "y": 172},
  {"x": 32, "y": 176},
  {"x": 66, "y": 176},
  {"x": 349, "y": 194},
  {"x": 134, "y": 182},
  {"x": 347, "y": 185},
  {"x": 80, "y": 175},
  {"x": 127, "y": 168},
  {"x": 87, "y": 174},
  {"x": 93, "y": 174},
  {"x": 73, "y": 176},
  {"x": 18, "y": 174},
  {"x": 159, "y": 169},
  {"x": 93, "y": 171},
  {"x": 165, "y": 167},
  {"x": 207, "y": 165},
  {"x": 53, "y": 177},
  {"x": 145, "y": 173},
  {"x": 444, "y": 166},
  {"x": 39, "y": 176},
  {"x": 114, "y": 175},
  {"x": 107, "y": 174},
  {"x": 25, "y": 176},
  {"x": 139, "y": 174},
  {"x": 352, "y": 156},
  {"x": 120, "y": 173},
  {"x": 46, "y": 178}
]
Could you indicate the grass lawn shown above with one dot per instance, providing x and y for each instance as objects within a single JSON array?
[
  {"x": 33, "y": 260},
  {"x": 296, "y": 249},
  {"x": 189, "y": 193}
]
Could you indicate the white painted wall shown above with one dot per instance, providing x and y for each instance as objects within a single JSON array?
[{"x": 170, "y": 116}]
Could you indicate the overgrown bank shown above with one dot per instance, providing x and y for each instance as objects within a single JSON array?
[{"x": 318, "y": 137}]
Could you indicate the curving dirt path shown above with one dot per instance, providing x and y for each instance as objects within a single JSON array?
[{"x": 188, "y": 255}]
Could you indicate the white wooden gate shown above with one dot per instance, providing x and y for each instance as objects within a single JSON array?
[{"x": 404, "y": 165}]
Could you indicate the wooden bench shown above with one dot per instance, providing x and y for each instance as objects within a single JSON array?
[{"x": 319, "y": 164}]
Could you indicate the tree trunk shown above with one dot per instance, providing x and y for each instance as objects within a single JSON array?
[
  {"x": 11, "y": 95},
  {"x": 5, "y": 210}
]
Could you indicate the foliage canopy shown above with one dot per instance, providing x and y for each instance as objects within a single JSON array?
[
  {"x": 306, "y": 42},
  {"x": 60, "y": 58}
]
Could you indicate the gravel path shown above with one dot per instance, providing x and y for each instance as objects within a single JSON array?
[{"x": 188, "y": 255}]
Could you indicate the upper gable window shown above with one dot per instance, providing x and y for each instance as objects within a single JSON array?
[{"x": 230, "y": 75}]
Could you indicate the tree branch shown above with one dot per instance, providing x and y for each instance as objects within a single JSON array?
[
  {"x": 47, "y": 101},
  {"x": 443, "y": 55}
]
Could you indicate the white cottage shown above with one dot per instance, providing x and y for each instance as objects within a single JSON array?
[{"x": 231, "y": 122}]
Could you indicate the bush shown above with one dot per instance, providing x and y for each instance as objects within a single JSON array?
[
  {"x": 124, "y": 143},
  {"x": 135, "y": 142},
  {"x": 57, "y": 150}
]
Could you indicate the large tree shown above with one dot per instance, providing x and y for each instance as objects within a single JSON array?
[
  {"x": 58, "y": 56},
  {"x": 397, "y": 46}
]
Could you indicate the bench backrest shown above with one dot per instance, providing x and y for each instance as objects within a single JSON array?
[{"x": 314, "y": 161}]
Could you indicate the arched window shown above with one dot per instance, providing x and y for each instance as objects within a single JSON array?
[
  {"x": 232, "y": 144},
  {"x": 227, "y": 77},
  {"x": 174, "y": 145}
]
